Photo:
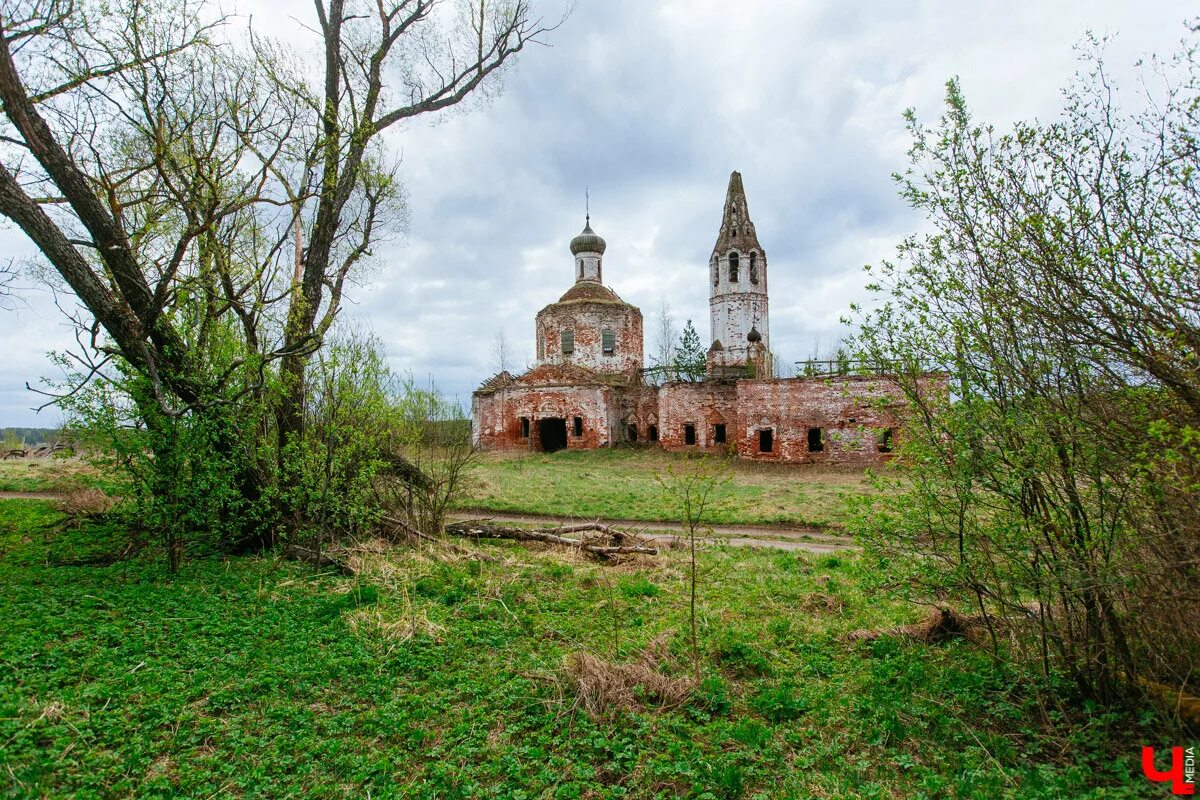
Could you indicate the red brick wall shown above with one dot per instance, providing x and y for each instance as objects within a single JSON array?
[
  {"x": 497, "y": 422},
  {"x": 850, "y": 411},
  {"x": 702, "y": 404},
  {"x": 587, "y": 321},
  {"x": 637, "y": 406}
]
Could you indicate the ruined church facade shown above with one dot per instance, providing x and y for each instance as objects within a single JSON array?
[{"x": 588, "y": 387}]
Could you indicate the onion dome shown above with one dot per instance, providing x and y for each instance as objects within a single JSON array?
[
  {"x": 587, "y": 241},
  {"x": 753, "y": 336}
]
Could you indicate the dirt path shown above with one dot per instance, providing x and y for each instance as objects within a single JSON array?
[
  {"x": 776, "y": 537},
  {"x": 812, "y": 540},
  {"x": 28, "y": 496}
]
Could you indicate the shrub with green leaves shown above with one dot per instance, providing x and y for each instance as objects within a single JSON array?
[{"x": 1053, "y": 475}]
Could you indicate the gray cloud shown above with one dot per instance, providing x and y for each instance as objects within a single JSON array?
[{"x": 651, "y": 105}]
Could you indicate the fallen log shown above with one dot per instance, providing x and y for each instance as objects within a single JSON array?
[
  {"x": 409, "y": 530},
  {"x": 486, "y": 529},
  {"x": 316, "y": 558}
]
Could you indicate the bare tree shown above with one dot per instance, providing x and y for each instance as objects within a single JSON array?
[
  {"x": 501, "y": 352},
  {"x": 692, "y": 488},
  {"x": 121, "y": 164},
  {"x": 384, "y": 63},
  {"x": 191, "y": 193},
  {"x": 8, "y": 281},
  {"x": 666, "y": 336}
]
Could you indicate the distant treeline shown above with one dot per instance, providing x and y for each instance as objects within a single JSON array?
[{"x": 28, "y": 435}]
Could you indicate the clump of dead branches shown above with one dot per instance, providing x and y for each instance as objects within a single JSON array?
[
  {"x": 941, "y": 625},
  {"x": 601, "y": 541},
  {"x": 604, "y": 687},
  {"x": 84, "y": 505}
]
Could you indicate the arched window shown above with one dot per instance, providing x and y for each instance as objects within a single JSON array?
[
  {"x": 754, "y": 267},
  {"x": 733, "y": 267},
  {"x": 581, "y": 269},
  {"x": 716, "y": 272},
  {"x": 568, "y": 342},
  {"x": 599, "y": 265}
]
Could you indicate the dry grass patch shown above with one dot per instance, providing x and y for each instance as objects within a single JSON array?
[
  {"x": 821, "y": 603},
  {"x": 605, "y": 687},
  {"x": 375, "y": 625}
]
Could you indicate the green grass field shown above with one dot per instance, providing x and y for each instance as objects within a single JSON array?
[
  {"x": 621, "y": 484},
  {"x": 432, "y": 674}
]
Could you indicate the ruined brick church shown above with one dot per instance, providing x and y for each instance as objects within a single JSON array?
[{"x": 588, "y": 388}]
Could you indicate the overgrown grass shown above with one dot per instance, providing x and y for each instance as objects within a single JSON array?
[
  {"x": 620, "y": 484},
  {"x": 435, "y": 675},
  {"x": 54, "y": 474}
]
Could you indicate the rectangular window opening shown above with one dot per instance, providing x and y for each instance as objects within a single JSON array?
[
  {"x": 719, "y": 433},
  {"x": 653, "y": 432},
  {"x": 885, "y": 440},
  {"x": 766, "y": 441},
  {"x": 815, "y": 443},
  {"x": 524, "y": 427},
  {"x": 689, "y": 434},
  {"x": 578, "y": 426},
  {"x": 608, "y": 342},
  {"x": 568, "y": 342},
  {"x": 633, "y": 433}
]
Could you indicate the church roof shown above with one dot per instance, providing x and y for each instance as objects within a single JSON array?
[
  {"x": 590, "y": 291},
  {"x": 576, "y": 375},
  {"x": 501, "y": 380},
  {"x": 737, "y": 231}
]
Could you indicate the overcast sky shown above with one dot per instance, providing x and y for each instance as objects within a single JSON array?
[{"x": 651, "y": 105}]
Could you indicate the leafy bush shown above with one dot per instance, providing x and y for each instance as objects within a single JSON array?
[
  {"x": 638, "y": 586},
  {"x": 713, "y": 695},
  {"x": 735, "y": 651},
  {"x": 779, "y": 703},
  {"x": 1056, "y": 458}
]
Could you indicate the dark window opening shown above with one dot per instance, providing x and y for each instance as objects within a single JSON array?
[
  {"x": 885, "y": 440},
  {"x": 599, "y": 269},
  {"x": 716, "y": 274},
  {"x": 653, "y": 433},
  {"x": 766, "y": 441},
  {"x": 733, "y": 267},
  {"x": 754, "y": 267},
  {"x": 719, "y": 433},
  {"x": 568, "y": 342},
  {"x": 577, "y": 425},
  {"x": 581, "y": 268},
  {"x": 524, "y": 427},
  {"x": 689, "y": 434},
  {"x": 632, "y": 432},
  {"x": 735, "y": 232},
  {"x": 815, "y": 444},
  {"x": 552, "y": 434},
  {"x": 608, "y": 342}
]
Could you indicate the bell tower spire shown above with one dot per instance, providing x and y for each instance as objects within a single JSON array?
[{"x": 738, "y": 279}]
